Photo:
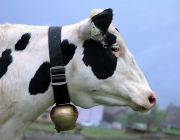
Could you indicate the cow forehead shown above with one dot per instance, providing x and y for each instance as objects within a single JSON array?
[
  {"x": 95, "y": 12},
  {"x": 114, "y": 31}
]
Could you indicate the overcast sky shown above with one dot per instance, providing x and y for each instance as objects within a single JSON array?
[{"x": 151, "y": 30}]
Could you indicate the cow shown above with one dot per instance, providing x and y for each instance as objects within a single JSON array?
[{"x": 100, "y": 70}]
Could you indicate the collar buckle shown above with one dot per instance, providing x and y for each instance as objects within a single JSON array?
[{"x": 57, "y": 74}]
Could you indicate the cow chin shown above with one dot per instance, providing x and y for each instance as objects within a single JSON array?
[
  {"x": 145, "y": 101},
  {"x": 139, "y": 108}
]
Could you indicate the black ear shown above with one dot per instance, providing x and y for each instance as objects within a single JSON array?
[{"x": 103, "y": 20}]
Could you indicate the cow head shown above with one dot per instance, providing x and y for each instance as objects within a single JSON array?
[{"x": 100, "y": 69}]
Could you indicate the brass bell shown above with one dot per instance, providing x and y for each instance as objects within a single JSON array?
[{"x": 64, "y": 117}]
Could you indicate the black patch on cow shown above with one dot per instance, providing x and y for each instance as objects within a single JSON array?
[
  {"x": 68, "y": 50},
  {"x": 5, "y": 61},
  {"x": 109, "y": 39},
  {"x": 103, "y": 20},
  {"x": 23, "y": 42},
  {"x": 101, "y": 60},
  {"x": 41, "y": 80}
]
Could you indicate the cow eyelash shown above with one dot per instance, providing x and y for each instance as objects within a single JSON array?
[
  {"x": 113, "y": 48},
  {"x": 106, "y": 46}
]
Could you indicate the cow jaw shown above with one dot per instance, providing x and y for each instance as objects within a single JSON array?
[{"x": 105, "y": 92}]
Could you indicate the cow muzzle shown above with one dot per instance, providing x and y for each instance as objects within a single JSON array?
[{"x": 145, "y": 103}]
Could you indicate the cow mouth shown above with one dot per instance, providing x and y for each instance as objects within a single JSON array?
[{"x": 137, "y": 107}]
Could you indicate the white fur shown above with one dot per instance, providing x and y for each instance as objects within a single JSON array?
[{"x": 18, "y": 109}]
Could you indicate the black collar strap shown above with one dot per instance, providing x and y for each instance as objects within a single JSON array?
[{"x": 57, "y": 70}]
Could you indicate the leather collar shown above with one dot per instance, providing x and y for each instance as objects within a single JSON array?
[{"x": 57, "y": 70}]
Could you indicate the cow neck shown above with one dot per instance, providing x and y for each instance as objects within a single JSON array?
[{"x": 57, "y": 70}]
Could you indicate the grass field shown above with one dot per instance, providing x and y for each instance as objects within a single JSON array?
[
  {"x": 105, "y": 133},
  {"x": 172, "y": 131},
  {"x": 86, "y": 131},
  {"x": 95, "y": 132}
]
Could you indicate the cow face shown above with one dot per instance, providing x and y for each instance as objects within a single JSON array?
[{"x": 102, "y": 70}]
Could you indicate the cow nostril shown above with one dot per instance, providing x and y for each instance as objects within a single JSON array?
[{"x": 152, "y": 100}]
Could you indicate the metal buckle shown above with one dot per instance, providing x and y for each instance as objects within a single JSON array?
[{"x": 58, "y": 74}]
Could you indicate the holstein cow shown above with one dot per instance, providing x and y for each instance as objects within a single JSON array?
[{"x": 100, "y": 70}]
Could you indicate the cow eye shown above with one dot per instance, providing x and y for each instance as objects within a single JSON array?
[{"x": 114, "y": 48}]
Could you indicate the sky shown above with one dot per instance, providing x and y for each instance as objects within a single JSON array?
[{"x": 150, "y": 29}]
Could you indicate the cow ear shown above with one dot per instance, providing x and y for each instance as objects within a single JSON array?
[{"x": 101, "y": 20}]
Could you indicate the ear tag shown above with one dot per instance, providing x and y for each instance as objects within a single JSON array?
[{"x": 94, "y": 30}]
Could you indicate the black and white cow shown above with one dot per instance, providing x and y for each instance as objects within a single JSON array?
[{"x": 100, "y": 70}]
